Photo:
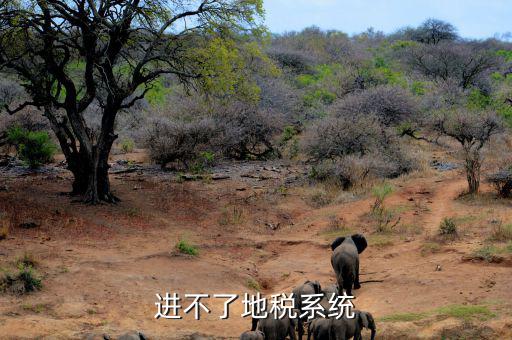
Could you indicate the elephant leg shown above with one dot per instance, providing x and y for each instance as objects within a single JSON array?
[
  {"x": 339, "y": 280},
  {"x": 357, "y": 285},
  {"x": 300, "y": 328},
  {"x": 347, "y": 285},
  {"x": 254, "y": 324},
  {"x": 291, "y": 332}
]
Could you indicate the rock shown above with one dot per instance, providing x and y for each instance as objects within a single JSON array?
[{"x": 29, "y": 225}]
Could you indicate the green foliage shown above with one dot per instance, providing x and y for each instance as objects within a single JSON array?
[
  {"x": 127, "y": 145},
  {"x": 382, "y": 215},
  {"x": 157, "y": 95},
  {"x": 478, "y": 100},
  {"x": 321, "y": 73},
  {"x": 288, "y": 133},
  {"x": 465, "y": 311},
  {"x": 34, "y": 147},
  {"x": 253, "y": 284},
  {"x": 319, "y": 96},
  {"x": 448, "y": 227},
  {"x": 418, "y": 88},
  {"x": 23, "y": 281},
  {"x": 404, "y": 317},
  {"x": 205, "y": 160},
  {"x": 184, "y": 247}
]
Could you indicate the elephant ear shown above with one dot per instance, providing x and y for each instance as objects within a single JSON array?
[
  {"x": 360, "y": 242},
  {"x": 317, "y": 287},
  {"x": 337, "y": 242}
]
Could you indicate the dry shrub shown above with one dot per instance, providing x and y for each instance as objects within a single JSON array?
[
  {"x": 353, "y": 152},
  {"x": 170, "y": 141},
  {"x": 247, "y": 133},
  {"x": 392, "y": 105}
]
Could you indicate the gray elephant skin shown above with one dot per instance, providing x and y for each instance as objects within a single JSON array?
[
  {"x": 343, "y": 328},
  {"x": 307, "y": 288},
  {"x": 275, "y": 328},
  {"x": 345, "y": 261},
  {"x": 252, "y": 335}
]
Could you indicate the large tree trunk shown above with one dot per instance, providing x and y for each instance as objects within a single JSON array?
[
  {"x": 98, "y": 183},
  {"x": 90, "y": 171}
]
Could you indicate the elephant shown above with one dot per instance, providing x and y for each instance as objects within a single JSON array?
[
  {"x": 274, "y": 328},
  {"x": 252, "y": 335},
  {"x": 342, "y": 329},
  {"x": 319, "y": 329},
  {"x": 345, "y": 261},
  {"x": 133, "y": 336},
  {"x": 346, "y": 328},
  {"x": 307, "y": 288}
]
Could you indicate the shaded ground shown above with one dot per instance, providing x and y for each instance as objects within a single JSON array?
[{"x": 102, "y": 266}]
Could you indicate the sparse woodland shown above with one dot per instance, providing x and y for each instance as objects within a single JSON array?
[{"x": 138, "y": 110}]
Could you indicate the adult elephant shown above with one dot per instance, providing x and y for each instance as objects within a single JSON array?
[
  {"x": 307, "y": 288},
  {"x": 345, "y": 261}
]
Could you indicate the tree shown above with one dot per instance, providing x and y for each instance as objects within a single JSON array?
[
  {"x": 472, "y": 130},
  {"x": 72, "y": 54},
  {"x": 464, "y": 62},
  {"x": 433, "y": 31}
]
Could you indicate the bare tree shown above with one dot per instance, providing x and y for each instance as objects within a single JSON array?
[
  {"x": 71, "y": 54},
  {"x": 465, "y": 62},
  {"x": 472, "y": 130}
]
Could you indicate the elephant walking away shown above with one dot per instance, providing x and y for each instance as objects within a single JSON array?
[{"x": 345, "y": 261}]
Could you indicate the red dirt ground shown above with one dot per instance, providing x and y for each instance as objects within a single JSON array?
[{"x": 103, "y": 265}]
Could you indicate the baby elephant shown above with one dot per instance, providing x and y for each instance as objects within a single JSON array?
[
  {"x": 345, "y": 328},
  {"x": 274, "y": 328},
  {"x": 345, "y": 261},
  {"x": 342, "y": 329},
  {"x": 252, "y": 335}
]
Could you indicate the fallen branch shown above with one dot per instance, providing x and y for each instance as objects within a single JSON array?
[{"x": 372, "y": 281}]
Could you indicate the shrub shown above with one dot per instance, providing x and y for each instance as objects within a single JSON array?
[
  {"x": 501, "y": 232},
  {"x": 502, "y": 182},
  {"x": 34, "y": 147},
  {"x": 184, "y": 247},
  {"x": 448, "y": 227},
  {"x": 334, "y": 138},
  {"x": 127, "y": 145},
  {"x": 23, "y": 281},
  {"x": 392, "y": 105},
  {"x": 246, "y": 132},
  {"x": 169, "y": 141}
]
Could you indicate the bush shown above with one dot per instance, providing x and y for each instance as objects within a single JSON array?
[
  {"x": 501, "y": 232},
  {"x": 350, "y": 151},
  {"x": 186, "y": 248},
  {"x": 34, "y": 147},
  {"x": 24, "y": 281},
  {"x": 247, "y": 133},
  {"x": 392, "y": 105},
  {"x": 448, "y": 227},
  {"x": 170, "y": 141},
  {"x": 127, "y": 145},
  {"x": 502, "y": 182}
]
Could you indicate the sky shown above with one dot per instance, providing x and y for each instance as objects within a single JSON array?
[{"x": 476, "y": 19}]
